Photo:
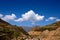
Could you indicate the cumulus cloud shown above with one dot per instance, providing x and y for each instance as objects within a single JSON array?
[
  {"x": 1, "y": 15},
  {"x": 51, "y": 18},
  {"x": 9, "y": 17},
  {"x": 30, "y": 16}
]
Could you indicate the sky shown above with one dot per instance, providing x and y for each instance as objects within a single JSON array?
[{"x": 30, "y": 12}]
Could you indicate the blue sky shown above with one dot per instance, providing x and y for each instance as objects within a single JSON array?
[{"x": 50, "y": 9}]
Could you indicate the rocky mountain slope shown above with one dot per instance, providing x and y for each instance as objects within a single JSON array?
[
  {"x": 8, "y": 31},
  {"x": 13, "y": 32},
  {"x": 49, "y": 27},
  {"x": 48, "y": 32}
]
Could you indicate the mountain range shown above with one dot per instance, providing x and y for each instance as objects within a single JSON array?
[
  {"x": 10, "y": 31},
  {"x": 13, "y": 32}
]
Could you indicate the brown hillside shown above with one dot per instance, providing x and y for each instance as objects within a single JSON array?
[
  {"x": 40, "y": 30},
  {"x": 50, "y": 27},
  {"x": 10, "y": 31}
]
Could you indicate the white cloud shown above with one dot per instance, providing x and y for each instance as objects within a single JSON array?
[
  {"x": 9, "y": 17},
  {"x": 1, "y": 15},
  {"x": 57, "y": 19},
  {"x": 30, "y": 16},
  {"x": 50, "y": 18}
]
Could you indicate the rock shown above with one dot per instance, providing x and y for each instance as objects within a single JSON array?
[{"x": 34, "y": 33}]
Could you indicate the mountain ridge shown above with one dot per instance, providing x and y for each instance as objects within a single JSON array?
[
  {"x": 48, "y": 32},
  {"x": 53, "y": 25},
  {"x": 11, "y": 31}
]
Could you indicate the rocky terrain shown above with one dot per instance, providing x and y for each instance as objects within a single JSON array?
[
  {"x": 13, "y": 32},
  {"x": 48, "y": 32},
  {"x": 8, "y": 31}
]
